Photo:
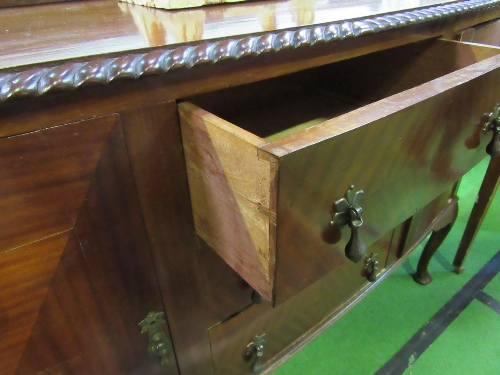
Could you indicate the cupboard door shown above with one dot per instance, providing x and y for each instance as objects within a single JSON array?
[{"x": 76, "y": 274}]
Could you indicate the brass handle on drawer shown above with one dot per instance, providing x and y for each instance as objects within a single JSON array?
[
  {"x": 256, "y": 348},
  {"x": 371, "y": 267},
  {"x": 256, "y": 297},
  {"x": 349, "y": 212},
  {"x": 493, "y": 124},
  {"x": 159, "y": 343}
]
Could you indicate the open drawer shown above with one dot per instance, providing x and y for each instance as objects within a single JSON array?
[{"x": 267, "y": 161}]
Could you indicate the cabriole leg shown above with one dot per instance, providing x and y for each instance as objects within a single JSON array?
[{"x": 441, "y": 229}]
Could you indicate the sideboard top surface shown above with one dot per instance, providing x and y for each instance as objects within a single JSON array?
[
  {"x": 65, "y": 46},
  {"x": 60, "y": 32}
]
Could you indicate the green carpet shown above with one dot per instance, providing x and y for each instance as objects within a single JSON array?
[
  {"x": 469, "y": 346},
  {"x": 372, "y": 332},
  {"x": 493, "y": 289}
]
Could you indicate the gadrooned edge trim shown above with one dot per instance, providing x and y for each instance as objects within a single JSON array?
[{"x": 71, "y": 75}]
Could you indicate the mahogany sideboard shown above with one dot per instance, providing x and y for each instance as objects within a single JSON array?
[{"x": 203, "y": 191}]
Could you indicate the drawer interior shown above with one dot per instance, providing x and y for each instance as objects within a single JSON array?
[{"x": 276, "y": 108}]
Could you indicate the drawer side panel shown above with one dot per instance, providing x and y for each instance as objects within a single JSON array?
[{"x": 230, "y": 189}]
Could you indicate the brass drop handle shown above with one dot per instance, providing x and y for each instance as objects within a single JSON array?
[
  {"x": 371, "y": 267},
  {"x": 349, "y": 212},
  {"x": 159, "y": 343},
  {"x": 493, "y": 124},
  {"x": 256, "y": 349},
  {"x": 256, "y": 297}
]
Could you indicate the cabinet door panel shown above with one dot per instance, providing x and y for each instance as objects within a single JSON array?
[
  {"x": 25, "y": 276},
  {"x": 96, "y": 280},
  {"x": 44, "y": 176}
]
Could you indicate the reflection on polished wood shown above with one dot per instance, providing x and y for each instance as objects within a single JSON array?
[
  {"x": 178, "y": 4},
  {"x": 131, "y": 246},
  {"x": 18, "y": 3},
  {"x": 437, "y": 21},
  {"x": 40, "y": 34}
]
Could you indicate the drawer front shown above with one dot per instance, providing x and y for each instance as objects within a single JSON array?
[
  {"x": 283, "y": 325},
  {"x": 403, "y": 151}
]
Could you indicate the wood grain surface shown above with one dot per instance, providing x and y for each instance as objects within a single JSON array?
[
  {"x": 316, "y": 166},
  {"x": 63, "y": 107},
  {"x": 198, "y": 288},
  {"x": 485, "y": 33},
  {"x": 379, "y": 75},
  {"x": 231, "y": 190},
  {"x": 469, "y": 75},
  {"x": 44, "y": 177},
  {"x": 17, "y": 3},
  {"x": 26, "y": 274},
  {"x": 86, "y": 319},
  {"x": 137, "y": 201},
  {"x": 416, "y": 158},
  {"x": 41, "y": 34}
]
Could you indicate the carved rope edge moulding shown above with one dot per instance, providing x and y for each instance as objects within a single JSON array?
[{"x": 71, "y": 75}]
